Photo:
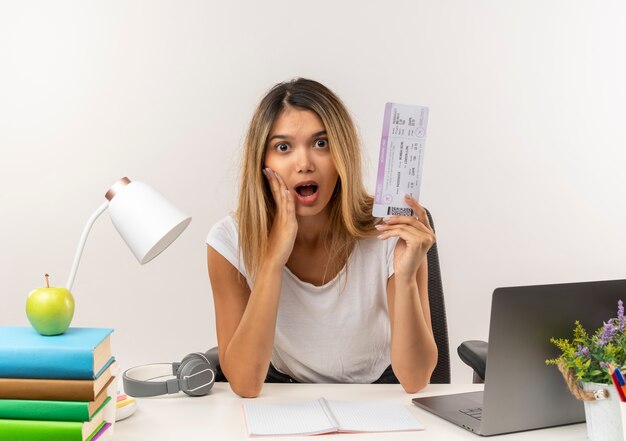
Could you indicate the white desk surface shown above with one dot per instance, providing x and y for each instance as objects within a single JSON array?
[{"x": 219, "y": 415}]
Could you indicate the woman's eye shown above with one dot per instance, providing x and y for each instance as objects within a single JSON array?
[
  {"x": 321, "y": 143},
  {"x": 282, "y": 147}
]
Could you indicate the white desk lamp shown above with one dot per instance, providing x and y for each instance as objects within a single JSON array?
[{"x": 147, "y": 221}]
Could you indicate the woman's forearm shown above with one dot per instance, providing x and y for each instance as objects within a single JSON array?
[
  {"x": 413, "y": 347},
  {"x": 249, "y": 351}
]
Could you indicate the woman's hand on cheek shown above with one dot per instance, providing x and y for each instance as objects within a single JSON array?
[
  {"x": 415, "y": 239},
  {"x": 285, "y": 226}
]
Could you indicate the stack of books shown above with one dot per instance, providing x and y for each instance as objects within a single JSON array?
[{"x": 58, "y": 387}]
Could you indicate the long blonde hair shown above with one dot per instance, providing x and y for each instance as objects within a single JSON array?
[{"x": 350, "y": 205}]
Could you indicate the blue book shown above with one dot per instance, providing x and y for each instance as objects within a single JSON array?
[{"x": 78, "y": 354}]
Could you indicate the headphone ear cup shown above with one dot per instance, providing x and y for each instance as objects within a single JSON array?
[
  {"x": 213, "y": 356},
  {"x": 196, "y": 365}
]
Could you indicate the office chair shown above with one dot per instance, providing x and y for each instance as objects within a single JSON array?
[
  {"x": 441, "y": 374},
  {"x": 474, "y": 354}
]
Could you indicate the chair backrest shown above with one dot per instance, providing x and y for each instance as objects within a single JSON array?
[{"x": 441, "y": 374}]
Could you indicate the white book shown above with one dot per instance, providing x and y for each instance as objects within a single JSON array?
[{"x": 327, "y": 416}]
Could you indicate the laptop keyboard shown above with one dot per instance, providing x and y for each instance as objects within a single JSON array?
[{"x": 476, "y": 412}]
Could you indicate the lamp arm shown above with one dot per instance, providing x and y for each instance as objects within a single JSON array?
[{"x": 81, "y": 243}]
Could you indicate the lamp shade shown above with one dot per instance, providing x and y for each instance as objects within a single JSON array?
[{"x": 147, "y": 221}]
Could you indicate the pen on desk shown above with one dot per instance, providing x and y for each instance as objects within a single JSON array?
[
  {"x": 618, "y": 386},
  {"x": 620, "y": 379}
]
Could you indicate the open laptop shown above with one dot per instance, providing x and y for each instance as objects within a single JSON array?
[{"x": 521, "y": 392}]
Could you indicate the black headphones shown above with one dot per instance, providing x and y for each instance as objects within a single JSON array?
[{"x": 194, "y": 375}]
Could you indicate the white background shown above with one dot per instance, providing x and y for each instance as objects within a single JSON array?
[{"x": 524, "y": 164}]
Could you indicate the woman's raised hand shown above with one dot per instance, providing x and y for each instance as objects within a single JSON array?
[
  {"x": 415, "y": 239},
  {"x": 285, "y": 226}
]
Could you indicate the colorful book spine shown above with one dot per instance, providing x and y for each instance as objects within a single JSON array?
[
  {"x": 48, "y": 410},
  {"x": 53, "y": 389},
  {"x": 24, "y": 353},
  {"x": 102, "y": 433},
  {"x": 40, "y": 430},
  {"x": 31, "y": 430}
]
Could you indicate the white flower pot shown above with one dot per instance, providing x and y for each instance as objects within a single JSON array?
[{"x": 604, "y": 420}]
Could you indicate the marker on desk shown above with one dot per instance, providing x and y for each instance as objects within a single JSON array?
[
  {"x": 621, "y": 381},
  {"x": 618, "y": 386}
]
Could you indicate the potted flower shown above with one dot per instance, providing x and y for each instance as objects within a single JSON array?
[{"x": 586, "y": 363}]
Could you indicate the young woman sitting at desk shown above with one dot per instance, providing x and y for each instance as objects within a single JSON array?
[{"x": 308, "y": 286}]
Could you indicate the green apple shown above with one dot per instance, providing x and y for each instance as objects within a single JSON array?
[{"x": 50, "y": 310}]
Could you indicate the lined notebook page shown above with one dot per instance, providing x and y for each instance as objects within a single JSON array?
[
  {"x": 302, "y": 418},
  {"x": 373, "y": 416}
]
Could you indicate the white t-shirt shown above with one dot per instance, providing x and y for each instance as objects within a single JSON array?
[{"x": 335, "y": 333}]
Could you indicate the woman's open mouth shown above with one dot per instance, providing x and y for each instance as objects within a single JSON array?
[{"x": 306, "y": 192}]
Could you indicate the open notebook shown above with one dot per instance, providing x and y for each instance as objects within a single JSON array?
[{"x": 327, "y": 416}]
